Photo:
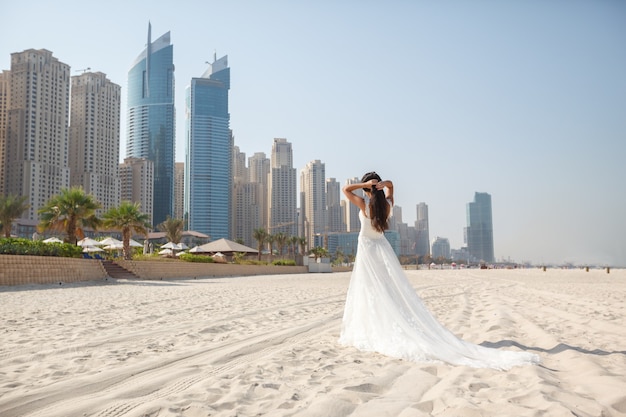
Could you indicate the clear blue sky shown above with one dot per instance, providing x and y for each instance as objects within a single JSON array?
[{"x": 525, "y": 100}]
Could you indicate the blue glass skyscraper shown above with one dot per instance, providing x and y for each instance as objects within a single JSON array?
[
  {"x": 208, "y": 163},
  {"x": 479, "y": 231},
  {"x": 151, "y": 119}
]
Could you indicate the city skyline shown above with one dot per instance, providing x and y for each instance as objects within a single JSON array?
[{"x": 523, "y": 100}]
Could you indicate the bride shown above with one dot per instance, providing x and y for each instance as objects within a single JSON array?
[{"x": 384, "y": 314}]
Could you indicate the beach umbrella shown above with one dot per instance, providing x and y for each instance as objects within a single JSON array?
[
  {"x": 175, "y": 246},
  {"x": 92, "y": 249},
  {"x": 109, "y": 241},
  {"x": 225, "y": 246},
  {"x": 87, "y": 242},
  {"x": 52, "y": 240},
  {"x": 135, "y": 244},
  {"x": 167, "y": 252},
  {"x": 114, "y": 246}
]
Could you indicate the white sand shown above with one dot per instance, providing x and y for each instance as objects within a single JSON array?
[{"x": 266, "y": 346}]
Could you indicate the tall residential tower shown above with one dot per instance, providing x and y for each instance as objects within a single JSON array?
[
  {"x": 336, "y": 218},
  {"x": 37, "y": 137},
  {"x": 4, "y": 107},
  {"x": 137, "y": 183},
  {"x": 479, "y": 230},
  {"x": 95, "y": 137},
  {"x": 313, "y": 201},
  {"x": 353, "y": 224},
  {"x": 282, "y": 210},
  {"x": 258, "y": 171},
  {"x": 422, "y": 229},
  {"x": 151, "y": 118},
  {"x": 208, "y": 165}
]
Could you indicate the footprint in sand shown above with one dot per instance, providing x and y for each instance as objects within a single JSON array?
[
  {"x": 477, "y": 386},
  {"x": 369, "y": 388}
]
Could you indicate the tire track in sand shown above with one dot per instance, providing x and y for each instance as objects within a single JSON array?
[{"x": 147, "y": 382}]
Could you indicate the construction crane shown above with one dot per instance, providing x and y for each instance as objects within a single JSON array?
[{"x": 83, "y": 70}]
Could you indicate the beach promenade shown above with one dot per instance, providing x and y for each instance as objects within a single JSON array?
[{"x": 266, "y": 346}]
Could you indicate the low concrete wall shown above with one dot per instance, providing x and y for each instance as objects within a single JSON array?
[
  {"x": 177, "y": 269},
  {"x": 319, "y": 267},
  {"x": 25, "y": 269}
]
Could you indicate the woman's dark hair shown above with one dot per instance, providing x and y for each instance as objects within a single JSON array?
[{"x": 379, "y": 209}]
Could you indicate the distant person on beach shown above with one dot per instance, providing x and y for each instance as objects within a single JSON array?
[{"x": 383, "y": 313}]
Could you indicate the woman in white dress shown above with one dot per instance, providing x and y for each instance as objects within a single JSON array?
[{"x": 384, "y": 314}]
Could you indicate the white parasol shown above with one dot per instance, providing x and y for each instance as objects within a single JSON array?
[
  {"x": 87, "y": 242},
  {"x": 114, "y": 246},
  {"x": 109, "y": 241},
  {"x": 135, "y": 244},
  {"x": 92, "y": 249}
]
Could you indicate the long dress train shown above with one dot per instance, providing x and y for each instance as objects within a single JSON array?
[{"x": 384, "y": 314}]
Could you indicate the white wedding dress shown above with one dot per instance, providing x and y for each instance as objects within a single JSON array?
[{"x": 384, "y": 314}]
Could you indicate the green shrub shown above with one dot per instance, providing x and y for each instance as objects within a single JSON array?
[
  {"x": 21, "y": 246},
  {"x": 286, "y": 262},
  {"x": 190, "y": 257}
]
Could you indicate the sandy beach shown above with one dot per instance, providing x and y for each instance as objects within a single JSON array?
[{"x": 267, "y": 346}]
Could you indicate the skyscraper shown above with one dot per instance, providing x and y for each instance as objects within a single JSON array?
[
  {"x": 479, "y": 230},
  {"x": 137, "y": 183},
  {"x": 37, "y": 139},
  {"x": 282, "y": 190},
  {"x": 151, "y": 118},
  {"x": 441, "y": 248},
  {"x": 353, "y": 224},
  {"x": 240, "y": 171},
  {"x": 395, "y": 223},
  {"x": 422, "y": 244},
  {"x": 336, "y": 220},
  {"x": 208, "y": 165},
  {"x": 313, "y": 201},
  {"x": 247, "y": 201},
  {"x": 258, "y": 171},
  {"x": 4, "y": 108},
  {"x": 95, "y": 137},
  {"x": 179, "y": 190}
]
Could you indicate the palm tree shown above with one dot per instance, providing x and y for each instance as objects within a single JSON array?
[
  {"x": 270, "y": 239},
  {"x": 260, "y": 235},
  {"x": 127, "y": 218},
  {"x": 71, "y": 212},
  {"x": 293, "y": 244},
  {"x": 339, "y": 256},
  {"x": 302, "y": 243},
  {"x": 281, "y": 240},
  {"x": 319, "y": 252},
  {"x": 11, "y": 208},
  {"x": 173, "y": 229}
]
